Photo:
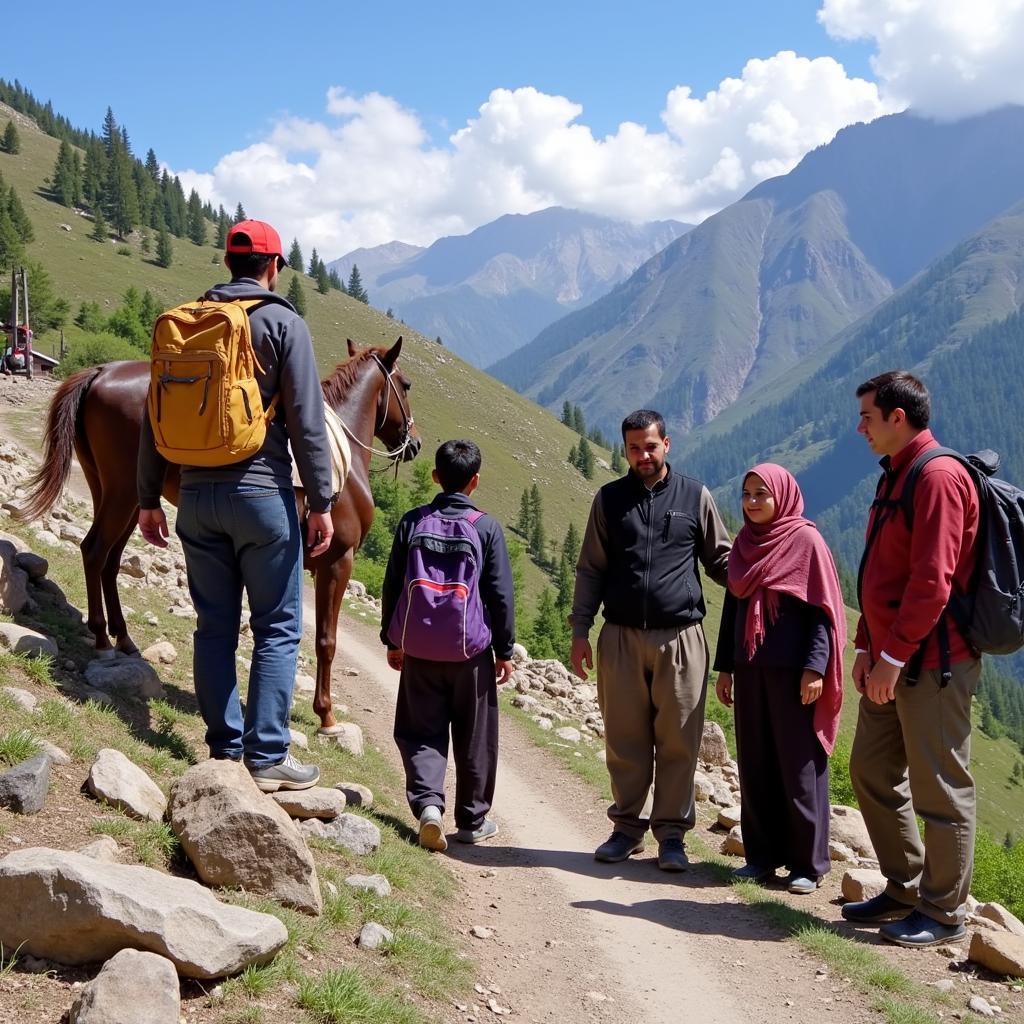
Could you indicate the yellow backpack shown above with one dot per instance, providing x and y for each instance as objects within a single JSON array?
[{"x": 204, "y": 400}]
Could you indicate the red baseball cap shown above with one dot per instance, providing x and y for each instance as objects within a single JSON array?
[{"x": 256, "y": 236}]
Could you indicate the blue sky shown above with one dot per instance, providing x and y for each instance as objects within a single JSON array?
[
  {"x": 353, "y": 125},
  {"x": 166, "y": 68}
]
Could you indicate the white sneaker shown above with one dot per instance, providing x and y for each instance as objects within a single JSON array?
[{"x": 431, "y": 829}]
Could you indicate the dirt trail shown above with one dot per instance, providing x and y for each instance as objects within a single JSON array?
[{"x": 576, "y": 940}]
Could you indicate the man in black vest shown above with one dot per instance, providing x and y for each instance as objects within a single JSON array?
[{"x": 639, "y": 557}]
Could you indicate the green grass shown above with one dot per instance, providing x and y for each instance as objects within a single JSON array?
[
  {"x": 345, "y": 997},
  {"x": 17, "y": 746},
  {"x": 434, "y": 968},
  {"x": 153, "y": 842},
  {"x": 246, "y": 1015},
  {"x": 8, "y": 960}
]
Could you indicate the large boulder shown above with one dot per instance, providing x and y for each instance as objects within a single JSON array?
[
  {"x": 1001, "y": 916},
  {"x": 13, "y": 580},
  {"x": 126, "y": 786},
  {"x": 713, "y": 748},
  {"x": 23, "y": 640},
  {"x": 846, "y": 826},
  {"x": 131, "y": 676},
  {"x": 132, "y": 988},
  {"x": 74, "y": 909},
  {"x": 1000, "y": 951},
  {"x": 237, "y": 836}
]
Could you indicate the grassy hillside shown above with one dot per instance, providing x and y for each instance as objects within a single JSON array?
[{"x": 521, "y": 442}]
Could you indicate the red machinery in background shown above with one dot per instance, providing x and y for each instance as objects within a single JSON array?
[{"x": 17, "y": 356}]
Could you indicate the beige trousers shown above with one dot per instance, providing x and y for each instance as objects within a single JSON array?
[
  {"x": 651, "y": 686},
  {"x": 912, "y": 757}
]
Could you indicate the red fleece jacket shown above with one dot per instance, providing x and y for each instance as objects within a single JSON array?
[{"x": 909, "y": 574}]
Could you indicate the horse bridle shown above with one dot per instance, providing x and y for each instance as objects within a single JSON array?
[{"x": 407, "y": 418}]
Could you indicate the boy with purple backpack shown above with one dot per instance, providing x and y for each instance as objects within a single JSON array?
[{"x": 448, "y": 621}]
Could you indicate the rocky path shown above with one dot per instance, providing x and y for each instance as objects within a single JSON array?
[{"x": 568, "y": 939}]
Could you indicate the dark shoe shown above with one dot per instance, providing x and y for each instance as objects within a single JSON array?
[
  {"x": 802, "y": 885},
  {"x": 431, "y": 835},
  {"x": 918, "y": 931},
  {"x": 876, "y": 910},
  {"x": 754, "y": 873},
  {"x": 286, "y": 774},
  {"x": 672, "y": 855},
  {"x": 477, "y": 835},
  {"x": 617, "y": 847}
]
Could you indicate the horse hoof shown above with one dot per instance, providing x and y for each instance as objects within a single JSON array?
[{"x": 330, "y": 730}]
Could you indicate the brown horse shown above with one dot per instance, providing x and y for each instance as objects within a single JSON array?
[{"x": 97, "y": 413}]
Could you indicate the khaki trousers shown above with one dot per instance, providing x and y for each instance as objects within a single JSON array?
[
  {"x": 651, "y": 686},
  {"x": 912, "y": 756}
]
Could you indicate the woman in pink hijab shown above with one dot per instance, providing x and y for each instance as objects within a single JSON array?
[{"x": 780, "y": 662}]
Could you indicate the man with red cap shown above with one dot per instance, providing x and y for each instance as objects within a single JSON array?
[{"x": 239, "y": 527}]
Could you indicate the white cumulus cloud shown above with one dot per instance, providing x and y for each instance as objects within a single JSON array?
[
  {"x": 368, "y": 172},
  {"x": 944, "y": 58}
]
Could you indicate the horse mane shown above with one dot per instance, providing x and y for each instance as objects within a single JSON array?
[{"x": 343, "y": 377}]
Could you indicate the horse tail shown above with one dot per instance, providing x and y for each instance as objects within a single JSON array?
[{"x": 47, "y": 483}]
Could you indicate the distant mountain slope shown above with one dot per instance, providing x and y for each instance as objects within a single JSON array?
[
  {"x": 374, "y": 262},
  {"x": 754, "y": 290},
  {"x": 958, "y": 325},
  {"x": 488, "y": 292}
]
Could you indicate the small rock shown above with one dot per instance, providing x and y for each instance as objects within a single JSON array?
[
  {"x": 298, "y": 739},
  {"x": 356, "y": 794},
  {"x": 1001, "y": 916},
  {"x": 372, "y": 883},
  {"x": 349, "y": 671},
  {"x": 979, "y": 1004},
  {"x": 47, "y": 538},
  {"x": 1000, "y": 951},
  {"x": 733, "y": 842},
  {"x": 23, "y": 788},
  {"x": 161, "y": 653},
  {"x": 702, "y": 787},
  {"x": 944, "y": 985},
  {"x": 26, "y": 641},
  {"x": 104, "y": 848},
  {"x": 35, "y": 565},
  {"x": 126, "y": 786},
  {"x": 480, "y": 931},
  {"x": 317, "y": 802},
  {"x": 544, "y": 724},
  {"x": 349, "y": 737},
  {"x": 713, "y": 748},
  {"x": 723, "y": 794},
  {"x": 304, "y": 683},
  {"x": 840, "y": 852},
  {"x": 729, "y": 816},
  {"x": 133, "y": 987},
  {"x": 373, "y": 935},
  {"x": 128, "y": 675},
  {"x": 569, "y": 734},
  {"x": 351, "y": 831},
  {"x": 846, "y": 825},
  {"x": 57, "y": 756},
  {"x": 862, "y": 884},
  {"x": 494, "y": 1006},
  {"x": 25, "y": 700}
]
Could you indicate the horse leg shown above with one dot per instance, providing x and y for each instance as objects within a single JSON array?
[
  {"x": 116, "y": 626},
  {"x": 94, "y": 548},
  {"x": 331, "y": 581}
]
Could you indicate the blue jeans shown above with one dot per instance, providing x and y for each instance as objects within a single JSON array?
[{"x": 239, "y": 536}]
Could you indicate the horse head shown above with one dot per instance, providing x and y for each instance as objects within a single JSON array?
[{"x": 394, "y": 425}]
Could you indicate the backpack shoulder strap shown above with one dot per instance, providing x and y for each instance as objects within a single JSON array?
[
  {"x": 914, "y": 472},
  {"x": 475, "y": 515}
]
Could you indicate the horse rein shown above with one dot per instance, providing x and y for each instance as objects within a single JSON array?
[{"x": 407, "y": 419}]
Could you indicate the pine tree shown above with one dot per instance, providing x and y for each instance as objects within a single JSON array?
[
  {"x": 296, "y": 296},
  {"x": 12, "y": 252},
  {"x": 90, "y": 318},
  {"x": 573, "y": 458},
  {"x": 567, "y": 413},
  {"x": 314, "y": 264},
  {"x": 149, "y": 310},
  {"x": 223, "y": 224},
  {"x": 240, "y": 214},
  {"x": 538, "y": 542},
  {"x": 164, "y": 249},
  {"x": 524, "y": 522},
  {"x": 19, "y": 218},
  {"x": 120, "y": 194},
  {"x": 11, "y": 141},
  {"x": 295, "y": 260},
  {"x": 152, "y": 166},
  {"x": 62, "y": 180},
  {"x": 571, "y": 545},
  {"x": 335, "y": 280},
  {"x": 111, "y": 135},
  {"x": 94, "y": 173},
  {"x": 323, "y": 280},
  {"x": 355, "y": 286},
  {"x": 196, "y": 219},
  {"x": 99, "y": 231},
  {"x": 617, "y": 461},
  {"x": 579, "y": 424},
  {"x": 585, "y": 459},
  {"x": 49, "y": 310}
]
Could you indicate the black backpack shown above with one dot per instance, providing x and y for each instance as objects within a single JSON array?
[{"x": 990, "y": 613}]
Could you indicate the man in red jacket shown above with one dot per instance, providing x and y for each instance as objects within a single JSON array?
[{"x": 916, "y": 675}]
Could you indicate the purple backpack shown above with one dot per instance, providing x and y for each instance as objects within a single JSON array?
[{"x": 440, "y": 616}]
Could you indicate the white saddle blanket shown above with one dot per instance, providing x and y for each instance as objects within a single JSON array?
[{"x": 341, "y": 452}]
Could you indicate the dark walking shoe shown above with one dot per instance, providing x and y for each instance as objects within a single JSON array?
[
  {"x": 618, "y": 846},
  {"x": 876, "y": 910},
  {"x": 918, "y": 931},
  {"x": 431, "y": 835},
  {"x": 754, "y": 873},
  {"x": 672, "y": 855},
  {"x": 802, "y": 885},
  {"x": 477, "y": 835},
  {"x": 286, "y": 774}
]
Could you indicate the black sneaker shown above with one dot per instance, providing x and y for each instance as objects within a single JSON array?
[
  {"x": 882, "y": 907},
  {"x": 286, "y": 774},
  {"x": 618, "y": 847},
  {"x": 672, "y": 855}
]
